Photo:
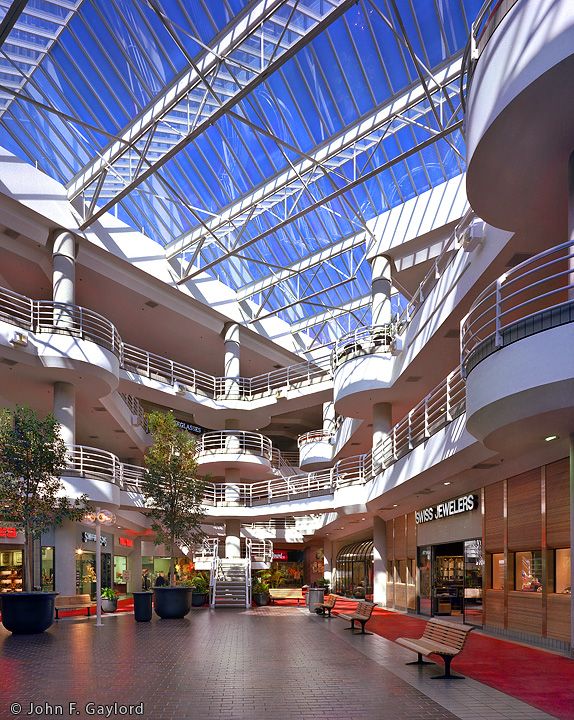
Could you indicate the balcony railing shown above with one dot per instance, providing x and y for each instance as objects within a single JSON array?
[
  {"x": 364, "y": 341},
  {"x": 236, "y": 442},
  {"x": 92, "y": 462},
  {"x": 536, "y": 295},
  {"x": 314, "y": 436}
]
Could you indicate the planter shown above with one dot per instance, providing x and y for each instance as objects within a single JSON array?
[
  {"x": 199, "y": 599},
  {"x": 172, "y": 602},
  {"x": 24, "y": 613},
  {"x": 109, "y": 606},
  {"x": 261, "y": 598},
  {"x": 142, "y": 606}
]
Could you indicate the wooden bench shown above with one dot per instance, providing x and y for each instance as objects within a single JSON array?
[
  {"x": 286, "y": 594},
  {"x": 326, "y": 607},
  {"x": 73, "y": 602},
  {"x": 362, "y": 614},
  {"x": 441, "y": 638}
]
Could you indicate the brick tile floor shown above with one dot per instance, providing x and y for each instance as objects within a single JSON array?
[{"x": 281, "y": 663}]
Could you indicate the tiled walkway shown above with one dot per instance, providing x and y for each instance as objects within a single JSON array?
[{"x": 278, "y": 663}]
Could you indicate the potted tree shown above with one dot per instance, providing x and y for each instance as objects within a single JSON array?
[
  {"x": 173, "y": 494},
  {"x": 109, "y": 600},
  {"x": 32, "y": 459}
]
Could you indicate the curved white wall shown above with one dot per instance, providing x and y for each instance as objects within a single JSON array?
[
  {"x": 523, "y": 392},
  {"x": 360, "y": 382},
  {"x": 316, "y": 455},
  {"x": 519, "y": 125}
]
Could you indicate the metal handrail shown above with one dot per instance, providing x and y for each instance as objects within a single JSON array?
[
  {"x": 68, "y": 319},
  {"x": 16, "y": 309},
  {"x": 136, "y": 410},
  {"x": 314, "y": 436},
  {"x": 234, "y": 442},
  {"x": 540, "y": 284},
  {"x": 364, "y": 341},
  {"x": 489, "y": 17},
  {"x": 442, "y": 405}
]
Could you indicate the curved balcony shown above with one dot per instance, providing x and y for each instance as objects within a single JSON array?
[
  {"x": 521, "y": 59},
  {"x": 316, "y": 449},
  {"x": 362, "y": 369},
  {"x": 517, "y": 344},
  {"x": 248, "y": 452}
]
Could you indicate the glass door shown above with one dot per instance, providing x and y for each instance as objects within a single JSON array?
[
  {"x": 424, "y": 580},
  {"x": 473, "y": 570}
]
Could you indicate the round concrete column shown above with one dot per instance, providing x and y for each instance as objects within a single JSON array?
[
  {"x": 232, "y": 359},
  {"x": 381, "y": 290},
  {"x": 382, "y": 424},
  {"x": 135, "y": 567},
  {"x": 64, "y": 267},
  {"x": 65, "y": 411},
  {"x": 65, "y": 557},
  {"x": 232, "y": 485},
  {"x": 379, "y": 561},
  {"x": 233, "y": 538},
  {"x": 329, "y": 416}
]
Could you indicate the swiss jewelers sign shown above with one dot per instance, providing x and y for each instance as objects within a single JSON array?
[{"x": 465, "y": 503}]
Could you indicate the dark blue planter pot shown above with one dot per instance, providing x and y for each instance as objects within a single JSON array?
[
  {"x": 142, "y": 606},
  {"x": 198, "y": 599},
  {"x": 26, "y": 613},
  {"x": 172, "y": 602}
]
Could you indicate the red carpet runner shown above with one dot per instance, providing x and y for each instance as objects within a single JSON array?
[{"x": 539, "y": 678}]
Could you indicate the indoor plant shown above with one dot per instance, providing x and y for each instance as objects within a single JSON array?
[
  {"x": 109, "y": 600},
  {"x": 173, "y": 494},
  {"x": 32, "y": 459},
  {"x": 200, "y": 585},
  {"x": 260, "y": 588}
]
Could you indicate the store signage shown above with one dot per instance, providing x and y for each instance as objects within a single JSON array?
[
  {"x": 280, "y": 555},
  {"x": 91, "y": 537},
  {"x": 126, "y": 542},
  {"x": 190, "y": 427},
  {"x": 462, "y": 504},
  {"x": 8, "y": 532}
]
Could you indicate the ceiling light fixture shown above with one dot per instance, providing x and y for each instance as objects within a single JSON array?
[
  {"x": 447, "y": 482},
  {"x": 551, "y": 437}
]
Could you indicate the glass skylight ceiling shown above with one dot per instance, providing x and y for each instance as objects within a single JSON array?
[{"x": 278, "y": 129}]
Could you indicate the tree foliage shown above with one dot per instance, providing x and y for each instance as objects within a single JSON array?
[
  {"x": 32, "y": 459},
  {"x": 171, "y": 487}
]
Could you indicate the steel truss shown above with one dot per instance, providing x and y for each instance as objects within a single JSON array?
[
  {"x": 353, "y": 157},
  {"x": 252, "y": 48}
]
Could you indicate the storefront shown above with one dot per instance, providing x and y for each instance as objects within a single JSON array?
[
  {"x": 294, "y": 568},
  {"x": 498, "y": 557},
  {"x": 354, "y": 570},
  {"x": 86, "y": 562}
]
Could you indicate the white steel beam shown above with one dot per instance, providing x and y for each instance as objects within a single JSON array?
[
  {"x": 310, "y": 322},
  {"x": 350, "y": 144},
  {"x": 201, "y": 94}
]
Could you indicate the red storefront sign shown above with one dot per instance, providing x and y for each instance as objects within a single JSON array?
[
  {"x": 280, "y": 555},
  {"x": 8, "y": 532},
  {"x": 126, "y": 542}
]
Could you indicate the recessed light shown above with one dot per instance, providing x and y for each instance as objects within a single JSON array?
[
  {"x": 551, "y": 437},
  {"x": 446, "y": 483},
  {"x": 363, "y": 518},
  {"x": 395, "y": 505}
]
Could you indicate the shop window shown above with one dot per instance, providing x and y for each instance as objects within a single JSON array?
[
  {"x": 498, "y": 571},
  {"x": 48, "y": 569},
  {"x": 563, "y": 571},
  {"x": 11, "y": 570},
  {"x": 528, "y": 574}
]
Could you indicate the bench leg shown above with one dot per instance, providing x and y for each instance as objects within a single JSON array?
[
  {"x": 363, "y": 623},
  {"x": 420, "y": 661},
  {"x": 329, "y": 611},
  {"x": 57, "y": 618},
  {"x": 352, "y": 626},
  {"x": 447, "y": 674},
  {"x": 89, "y": 610}
]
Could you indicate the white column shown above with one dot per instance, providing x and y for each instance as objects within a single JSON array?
[
  {"x": 571, "y": 223},
  {"x": 64, "y": 409},
  {"x": 232, "y": 359},
  {"x": 98, "y": 569},
  {"x": 64, "y": 267},
  {"x": 65, "y": 544},
  {"x": 382, "y": 424},
  {"x": 135, "y": 567},
  {"x": 381, "y": 290},
  {"x": 232, "y": 485},
  {"x": 328, "y": 563},
  {"x": 233, "y": 538},
  {"x": 329, "y": 416},
  {"x": 379, "y": 560}
]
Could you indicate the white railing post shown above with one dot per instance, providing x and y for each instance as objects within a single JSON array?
[
  {"x": 448, "y": 397},
  {"x": 426, "y": 416},
  {"x": 497, "y": 333},
  {"x": 410, "y": 430}
]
